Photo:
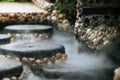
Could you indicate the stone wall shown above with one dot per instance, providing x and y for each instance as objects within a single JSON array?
[
  {"x": 97, "y": 30},
  {"x": 55, "y": 17}
]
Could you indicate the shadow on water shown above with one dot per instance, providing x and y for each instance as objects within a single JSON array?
[{"x": 81, "y": 64}]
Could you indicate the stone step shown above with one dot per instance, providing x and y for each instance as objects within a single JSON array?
[
  {"x": 15, "y": 7},
  {"x": 9, "y": 67},
  {"x": 28, "y": 32},
  {"x": 21, "y": 13},
  {"x": 4, "y": 39},
  {"x": 32, "y": 49}
]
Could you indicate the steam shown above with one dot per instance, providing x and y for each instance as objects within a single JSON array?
[
  {"x": 80, "y": 58},
  {"x": 32, "y": 77}
]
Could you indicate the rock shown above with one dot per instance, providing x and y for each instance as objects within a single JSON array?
[
  {"x": 13, "y": 78},
  {"x": 29, "y": 32},
  {"x": 65, "y": 21},
  {"x": 9, "y": 67},
  {"x": 54, "y": 18},
  {"x": 60, "y": 16},
  {"x": 33, "y": 49},
  {"x": 31, "y": 59},
  {"x": 28, "y": 29},
  {"x": 45, "y": 60},
  {"x": 117, "y": 74},
  {"x": 58, "y": 55},
  {"x": 24, "y": 60},
  {"x": 38, "y": 61},
  {"x": 6, "y": 79},
  {"x": 4, "y": 39},
  {"x": 55, "y": 12},
  {"x": 11, "y": 14},
  {"x": 49, "y": 18}
]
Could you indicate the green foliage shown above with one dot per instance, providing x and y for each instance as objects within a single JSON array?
[{"x": 68, "y": 5}]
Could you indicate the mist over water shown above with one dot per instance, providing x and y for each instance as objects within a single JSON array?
[{"x": 80, "y": 59}]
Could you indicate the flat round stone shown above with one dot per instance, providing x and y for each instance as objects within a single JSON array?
[
  {"x": 28, "y": 29},
  {"x": 15, "y": 7},
  {"x": 32, "y": 49},
  {"x": 9, "y": 67},
  {"x": 4, "y": 39}
]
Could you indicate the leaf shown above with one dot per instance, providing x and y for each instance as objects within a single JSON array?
[{"x": 63, "y": 6}]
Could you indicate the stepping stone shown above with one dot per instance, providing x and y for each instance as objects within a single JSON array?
[
  {"x": 32, "y": 49},
  {"x": 29, "y": 31},
  {"x": 4, "y": 39},
  {"x": 21, "y": 13},
  {"x": 14, "y": 7},
  {"x": 9, "y": 67}
]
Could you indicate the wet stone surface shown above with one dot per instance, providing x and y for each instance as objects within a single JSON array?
[
  {"x": 29, "y": 32},
  {"x": 32, "y": 49},
  {"x": 18, "y": 13},
  {"x": 28, "y": 29},
  {"x": 4, "y": 39},
  {"x": 16, "y": 7},
  {"x": 9, "y": 67}
]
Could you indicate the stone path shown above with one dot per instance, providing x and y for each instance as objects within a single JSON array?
[
  {"x": 32, "y": 49},
  {"x": 18, "y": 13},
  {"x": 9, "y": 67},
  {"x": 8, "y": 7}
]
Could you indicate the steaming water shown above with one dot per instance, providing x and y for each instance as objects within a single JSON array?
[{"x": 81, "y": 63}]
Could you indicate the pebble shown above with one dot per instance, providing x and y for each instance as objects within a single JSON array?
[
  {"x": 36, "y": 34},
  {"x": 13, "y": 78},
  {"x": 77, "y": 24},
  {"x": 54, "y": 18},
  {"x": 45, "y": 60},
  {"x": 17, "y": 59},
  {"x": 63, "y": 58},
  {"x": 54, "y": 12},
  {"x": 49, "y": 18},
  {"x": 100, "y": 36},
  {"x": 64, "y": 55},
  {"x": 6, "y": 79},
  {"x": 57, "y": 61},
  {"x": 31, "y": 59},
  {"x": 38, "y": 61},
  {"x": 11, "y": 14},
  {"x": 58, "y": 55},
  {"x": 49, "y": 63},
  {"x": 60, "y": 16},
  {"x": 65, "y": 21},
  {"x": 24, "y": 60}
]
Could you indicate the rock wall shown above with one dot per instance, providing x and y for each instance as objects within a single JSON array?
[
  {"x": 57, "y": 18},
  {"x": 97, "y": 30}
]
